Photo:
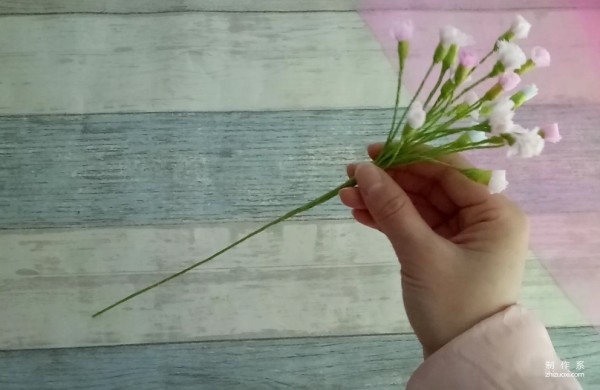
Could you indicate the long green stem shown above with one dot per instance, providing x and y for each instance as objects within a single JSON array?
[
  {"x": 436, "y": 86},
  {"x": 398, "y": 88},
  {"x": 322, "y": 199},
  {"x": 397, "y": 127},
  {"x": 470, "y": 87},
  {"x": 485, "y": 58}
]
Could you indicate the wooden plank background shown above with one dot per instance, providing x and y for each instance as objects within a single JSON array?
[
  {"x": 153, "y": 6},
  {"x": 137, "y": 137},
  {"x": 363, "y": 362}
]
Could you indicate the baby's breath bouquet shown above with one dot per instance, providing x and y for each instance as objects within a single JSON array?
[{"x": 452, "y": 118}]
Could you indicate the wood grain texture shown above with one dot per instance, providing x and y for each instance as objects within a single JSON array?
[
  {"x": 381, "y": 362},
  {"x": 150, "y": 6},
  {"x": 97, "y": 170},
  {"x": 241, "y": 61},
  {"x": 297, "y": 279},
  {"x": 190, "y": 62}
]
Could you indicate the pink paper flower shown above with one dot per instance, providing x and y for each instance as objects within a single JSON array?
[
  {"x": 467, "y": 58},
  {"x": 497, "y": 182},
  {"x": 509, "y": 80},
  {"x": 540, "y": 56},
  {"x": 402, "y": 31},
  {"x": 551, "y": 133}
]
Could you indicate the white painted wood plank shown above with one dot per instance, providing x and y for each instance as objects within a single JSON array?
[
  {"x": 298, "y": 279},
  {"x": 134, "y": 6},
  {"x": 189, "y": 62},
  {"x": 244, "y": 61}
]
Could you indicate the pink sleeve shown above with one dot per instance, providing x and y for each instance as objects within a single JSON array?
[{"x": 509, "y": 350}]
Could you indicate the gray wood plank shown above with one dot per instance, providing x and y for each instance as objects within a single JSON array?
[
  {"x": 381, "y": 362},
  {"x": 148, "y": 6},
  {"x": 164, "y": 168}
]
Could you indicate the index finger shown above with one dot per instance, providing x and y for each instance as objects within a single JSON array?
[
  {"x": 461, "y": 190},
  {"x": 455, "y": 159}
]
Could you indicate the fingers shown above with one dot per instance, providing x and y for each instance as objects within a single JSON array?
[
  {"x": 352, "y": 198},
  {"x": 364, "y": 217},
  {"x": 453, "y": 190},
  {"x": 350, "y": 168},
  {"x": 374, "y": 150},
  {"x": 445, "y": 183},
  {"x": 392, "y": 211}
]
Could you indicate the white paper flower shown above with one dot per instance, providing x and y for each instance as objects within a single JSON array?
[
  {"x": 528, "y": 143},
  {"x": 540, "y": 57},
  {"x": 501, "y": 116},
  {"x": 510, "y": 55},
  {"x": 530, "y": 91},
  {"x": 416, "y": 115},
  {"x": 520, "y": 27},
  {"x": 452, "y": 36},
  {"x": 498, "y": 182}
]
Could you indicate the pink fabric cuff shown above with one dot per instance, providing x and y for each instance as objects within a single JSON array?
[{"x": 509, "y": 350}]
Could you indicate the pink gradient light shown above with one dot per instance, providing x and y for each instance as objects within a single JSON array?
[{"x": 559, "y": 190}]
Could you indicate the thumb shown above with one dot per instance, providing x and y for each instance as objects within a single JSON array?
[{"x": 393, "y": 211}]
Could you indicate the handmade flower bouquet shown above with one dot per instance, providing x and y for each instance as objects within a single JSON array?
[{"x": 452, "y": 118}]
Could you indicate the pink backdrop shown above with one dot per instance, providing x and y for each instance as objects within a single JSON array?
[{"x": 565, "y": 235}]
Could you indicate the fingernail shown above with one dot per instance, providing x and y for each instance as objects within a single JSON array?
[{"x": 368, "y": 178}]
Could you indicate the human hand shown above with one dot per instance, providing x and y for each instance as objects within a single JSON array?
[{"x": 462, "y": 250}]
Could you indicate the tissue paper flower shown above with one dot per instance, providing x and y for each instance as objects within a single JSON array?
[{"x": 451, "y": 119}]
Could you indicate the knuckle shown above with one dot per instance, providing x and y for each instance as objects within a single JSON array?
[{"x": 393, "y": 206}]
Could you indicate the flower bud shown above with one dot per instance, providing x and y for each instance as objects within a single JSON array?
[
  {"x": 526, "y": 67},
  {"x": 520, "y": 27},
  {"x": 462, "y": 141},
  {"x": 550, "y": 133},
  {"x": 402, "y": 31},
  {"x": 493, "y": 93},
  {"x": 451, "y": 56},
  {"x": 403, "y": 48},
  {"x": 439, "y": 54},
  {"x": 497, "y": 182},
  {"x": 416, "y": 115},
  {"x": 467, "y": 58},
  {"x": 540, "y": 56},
  {"x": 461, "y": 74},
  {"x": 521, "y": 97},
  {"x": 447, "y": 88},
  {"x": 509, "y": 81},
  {"x": 510, "y": 55}
]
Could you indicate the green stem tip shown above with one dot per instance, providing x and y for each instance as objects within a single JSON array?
[{"x": 321, "y": 199}]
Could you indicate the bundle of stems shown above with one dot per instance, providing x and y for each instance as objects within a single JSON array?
[{"x": 438, "y": 122}]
